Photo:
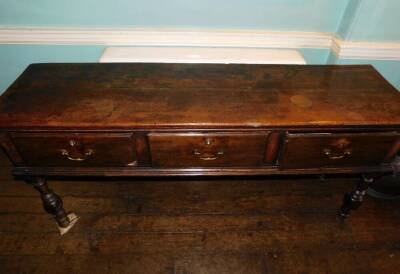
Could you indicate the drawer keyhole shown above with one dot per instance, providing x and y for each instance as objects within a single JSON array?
[{"x": 208, "y": 141}]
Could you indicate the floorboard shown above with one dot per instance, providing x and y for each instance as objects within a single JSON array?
[{"x": 192, "y": 226}]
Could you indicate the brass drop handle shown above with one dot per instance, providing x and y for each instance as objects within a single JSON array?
[
  {"x": 337, "y": 156},
  {"x": 77, "y": 159},
  {"x": 76, "y": 149},
  {"x": 206, "y": 156}
]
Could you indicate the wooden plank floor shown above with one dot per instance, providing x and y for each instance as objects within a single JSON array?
[{"x": 186, "y": 226}]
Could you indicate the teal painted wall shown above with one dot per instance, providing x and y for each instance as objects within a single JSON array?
[
  {"x": 371, "y": 20},
  {"x": 348, "y": 18},
  {"x": 389, "y": 69},
  {"x": 358, "y": 20},
  {"x": 304, "y": 15},
  {"x": 315, "y": 56},
  {"x": 15, "y": 58}
]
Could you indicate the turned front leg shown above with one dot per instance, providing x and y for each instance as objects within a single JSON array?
[
  {"x": 52, "y": 203},
  {"x": 353, "y": 200}
]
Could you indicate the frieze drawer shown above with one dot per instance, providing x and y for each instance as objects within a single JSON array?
[
  {"x": 311, "y": 150},
  {"x": 207, "y": 150},
  {"x": 76, "y": 149}
]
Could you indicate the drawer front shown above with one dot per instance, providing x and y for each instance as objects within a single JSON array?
[
  {"x": 207, "y": 150},
  {"x": 337, "y": 150},
  {"x": 76, "y": 150}
]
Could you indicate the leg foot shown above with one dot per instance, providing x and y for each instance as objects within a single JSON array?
[
  {"x": 72, "y": 220},
  {"x": 52, "y": 203},
  {"x": 353, "y": 200}
]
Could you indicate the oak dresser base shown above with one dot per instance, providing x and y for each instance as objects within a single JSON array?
[{"x": 199, "y": 120}]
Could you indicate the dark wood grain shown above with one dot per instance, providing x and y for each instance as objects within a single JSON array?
[
  {"x": 273, "y": 147},
  {"x": 327, "y": 150},
  {"x": 54, "y": 149},
  {"x": 207, "y": 150},
  {"x": 192, "y": 226},
  {"x": 142, "y": 149},
  {"x": 8, "y": 148},
  {"x": 173, "y": 120},
  {"x": 198, "y": 95},
  {"x": 203, "y": 171},
  {"x": 51, "y": 105}
]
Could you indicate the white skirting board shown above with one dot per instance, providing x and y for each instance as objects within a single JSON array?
[{"x": 201, "y": 55}]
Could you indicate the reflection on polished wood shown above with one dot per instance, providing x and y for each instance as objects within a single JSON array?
[{"x": 199, "y": 119}]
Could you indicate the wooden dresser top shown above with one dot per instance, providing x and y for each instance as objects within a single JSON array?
[{"x": 98, "y": 96}]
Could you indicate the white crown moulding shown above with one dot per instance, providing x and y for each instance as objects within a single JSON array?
[
  {"x": 201, "y": 38},
  {"x": 165, "y": 37},
  {"x": 365, "y": 50}
]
